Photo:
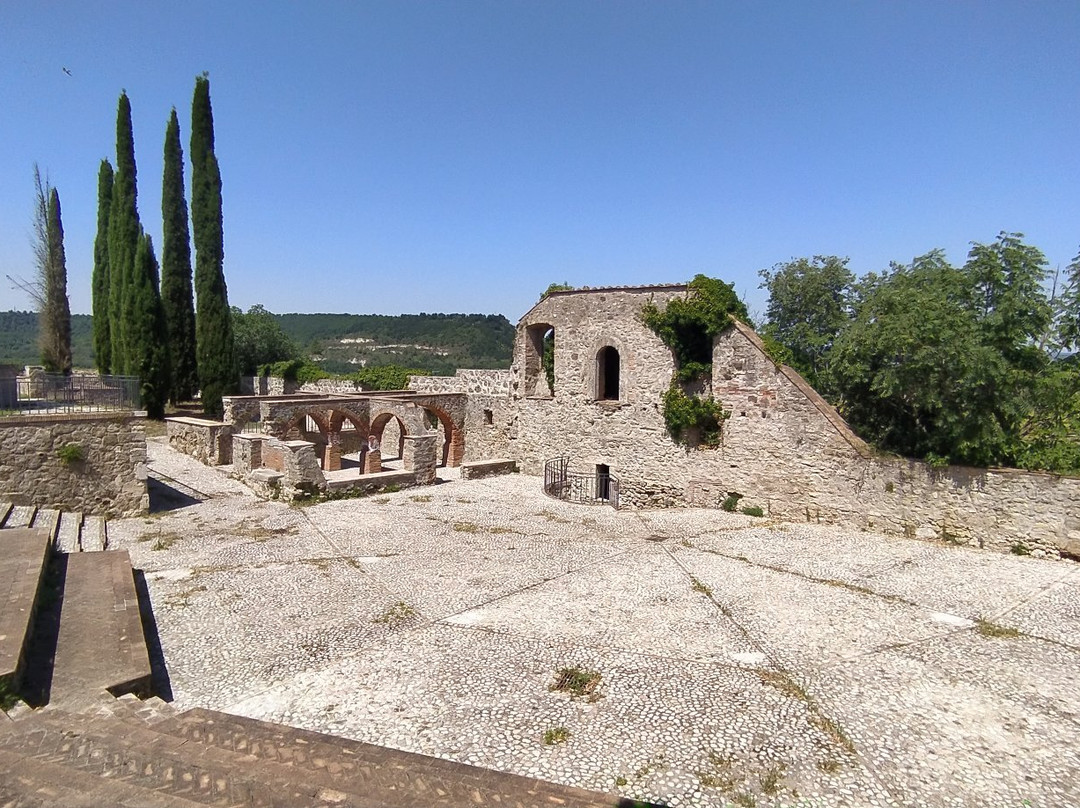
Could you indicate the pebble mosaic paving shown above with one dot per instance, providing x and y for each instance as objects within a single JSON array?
[{"x": 742, "y": 662}]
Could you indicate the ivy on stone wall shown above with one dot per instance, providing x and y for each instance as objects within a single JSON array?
[{"x": 688, "y": 326}]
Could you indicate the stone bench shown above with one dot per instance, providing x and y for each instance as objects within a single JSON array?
[
  {"x": 23, "y": 556},
  {"x": 371, "y": 483},
  {"x": 476, "y": 469},
  {"x": 101, "y": 644}
]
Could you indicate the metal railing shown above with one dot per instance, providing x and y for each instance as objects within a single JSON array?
[
  {"x": 588, "y": 489},
  {"x": 54, "y": 392}
]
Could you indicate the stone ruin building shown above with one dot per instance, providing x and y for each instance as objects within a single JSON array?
[{"x": 598, "y": 435}]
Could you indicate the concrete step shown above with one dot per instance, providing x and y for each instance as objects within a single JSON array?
[
  {"x": 100, "y": 645},
  {"x": 20, "y": 516},
  {"x": 93, "y": 537},
  {"x": 24, "y": 553},
  {"x": 47, "y": 520},
  {"x": 67, "y": 537}
]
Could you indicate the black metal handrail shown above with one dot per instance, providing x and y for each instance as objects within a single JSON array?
[
  {"x": 54, "y": 392},
  {"x": 587, "y": 489}
]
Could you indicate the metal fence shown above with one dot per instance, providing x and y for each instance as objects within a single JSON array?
[
  {"x": 589, "y": 489},
  {"x": 53, "y": 392}
]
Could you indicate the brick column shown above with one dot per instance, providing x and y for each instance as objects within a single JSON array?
[{"x": 373, "y": 462}]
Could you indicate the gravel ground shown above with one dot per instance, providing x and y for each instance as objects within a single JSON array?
[{"x": 740, "y": 662}]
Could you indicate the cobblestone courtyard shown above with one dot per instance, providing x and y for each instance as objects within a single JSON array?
[{"x": 742, "y": 662}]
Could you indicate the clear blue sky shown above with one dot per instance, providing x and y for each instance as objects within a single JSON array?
[{"x": 460, "y": 156}]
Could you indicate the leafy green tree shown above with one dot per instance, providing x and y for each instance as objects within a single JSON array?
[
  {"x": 913, "y": 372},
  {"x": 215, "y": 355},
  {"x": 1009, "y": 298},
  {"x": 56, "y": 315},
  {"x": 259, "y": 340},
  {"x": 99, "y": 281},
  {"x": 146, "y": 330},
  {"x": 1067, "y": 309},
  {"x": 810, "y": 303},
  {"x": 176, "y": 294},
  {"x": 124, "y": 233}
]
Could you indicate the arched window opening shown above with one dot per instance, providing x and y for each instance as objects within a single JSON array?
[
  {"x": 607, "y": 374},
  {"x": 540, "y": 361}
]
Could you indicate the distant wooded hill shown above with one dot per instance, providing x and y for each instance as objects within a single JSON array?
[
  {"x": 438, "y": 343},
  {"x": 19, "y": 339}
]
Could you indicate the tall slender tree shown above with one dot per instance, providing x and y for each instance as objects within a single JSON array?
[
  {"x": 55, "y": 316},
  {"x": 213, "y": 328},
  {"x": 176, "y": 295},
  {"x": 124, "y": 232},
  {"x": 99, "y": 282},
  {"x": 145, "y": 330}
]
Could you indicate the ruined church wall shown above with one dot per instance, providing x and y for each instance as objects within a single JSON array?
[{"x": 783, "y": 448}]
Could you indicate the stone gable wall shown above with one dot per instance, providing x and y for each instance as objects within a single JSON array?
[{"x": 110, "y": 480}]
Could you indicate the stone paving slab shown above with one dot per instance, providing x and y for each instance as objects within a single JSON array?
[
  {"x": 640, "y": 601},
  {"x": 23, "y": 553},
  {"x": 742, "y": 660},
  {"x": 67, "y": 537},
  {"x": 100, "y": 644},
  {"x": 965, "y": 720},
  {"x": 663, "y": 733}
]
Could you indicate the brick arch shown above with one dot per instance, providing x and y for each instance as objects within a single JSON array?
[
  {"x": 454, "y": 437},
  {"x": 339, "y": 416},
  {"x": 316, "y": 415}
]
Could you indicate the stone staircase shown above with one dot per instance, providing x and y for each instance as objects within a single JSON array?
[{"x": 69, "y": 532}]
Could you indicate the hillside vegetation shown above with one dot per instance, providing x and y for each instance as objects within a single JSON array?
[{"x": 436, "y": 343}]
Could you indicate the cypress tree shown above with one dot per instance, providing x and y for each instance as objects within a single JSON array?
[
  {"x": 99, "y": 282},
  {"x": 176, "y": 270},
  {"x": 56, "y": 314},
  {"x": 213, "y": 326},
  {"x": 124, "y": 231},
  {"x": 145, "y": 333}
]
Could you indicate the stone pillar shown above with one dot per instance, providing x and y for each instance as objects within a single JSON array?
[
  {"x": 373, "y": 462},
  {"x": 419, "y": 456},
  {"x": 247, "y": 452}
]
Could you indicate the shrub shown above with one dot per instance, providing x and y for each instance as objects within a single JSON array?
[
  {"x": 732, "y": 502},
  {"x": 753, "y": 510},
  {"x": 691, "y": 419},
  {"x": 71, "y": 453}
]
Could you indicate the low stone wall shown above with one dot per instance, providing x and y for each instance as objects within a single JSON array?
[
  {"x": 209, "y": 442},
  {"x": 109, "y": 480},
  {"x": 487, "y": 468},
  {"x": 466, "y": 380}
]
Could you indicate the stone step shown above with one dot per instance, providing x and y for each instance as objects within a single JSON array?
[
  {"x": 47, "y": 520},
  {"x": 20, "y": 516},
  {"x": 100, "y": 645},
  {"x": 29, "y": 783},
  {"x": 398, "y": 778},
  {"x": 67, "y": 537},
  {"x": 93, "y": 537},
  {"x": 140, "y": 756},
  {"x": 5, "y": 509},
  {"x": 24, "y": 553}
]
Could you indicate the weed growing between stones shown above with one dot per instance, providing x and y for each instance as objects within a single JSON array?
[
  {"x": 556, "y": 735},
  {"x": 988, "y": 629},
  {"x": 731, "y": 503},
  {"x": 698, "y": 586},
  {"x": 165, "y": 541},
  {"x": 420, "y": 498},
  {"x": 579, "y": 683},
  {"x": 782, "y": 681},
  {"x": 1020, "y": 549},
  {"x": 397, "y": 614},
  {"x": 466, "y": 527},
  {"x": 753, "y": 510},
  {"x": 71, "y": 453}
]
